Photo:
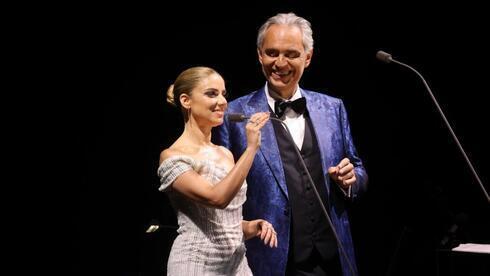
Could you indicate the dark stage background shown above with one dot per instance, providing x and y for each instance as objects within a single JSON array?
[{"x": 420, "y": 186}]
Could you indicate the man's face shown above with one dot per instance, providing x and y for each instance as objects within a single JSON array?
[{"x": 283, "y": 58}]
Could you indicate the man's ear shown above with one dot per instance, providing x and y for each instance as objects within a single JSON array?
[
  {"x": 309, "y": 54},
  {"x": 259, "y": 55},
  {"x": 185, "y": 101}
]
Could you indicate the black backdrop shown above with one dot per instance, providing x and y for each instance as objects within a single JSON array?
[{"x": 127, "y": 55}]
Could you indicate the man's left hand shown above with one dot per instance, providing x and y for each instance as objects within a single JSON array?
[{"x": 343, "y": 174}]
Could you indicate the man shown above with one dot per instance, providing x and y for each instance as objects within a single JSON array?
[{"x": 278, "y": 186}]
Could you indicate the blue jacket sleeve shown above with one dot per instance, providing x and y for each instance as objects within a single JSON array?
[{"x": 362, "y": 178}]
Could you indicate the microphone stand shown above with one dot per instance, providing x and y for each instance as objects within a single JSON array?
[
  {"x": 339, "y": 243},
  {"x": 385, "y": 57}
]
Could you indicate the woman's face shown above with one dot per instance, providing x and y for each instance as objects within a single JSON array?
[{"x": 208, "y": 102}]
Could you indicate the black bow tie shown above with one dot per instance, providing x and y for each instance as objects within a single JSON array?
[{"x": 298, "y": 105}]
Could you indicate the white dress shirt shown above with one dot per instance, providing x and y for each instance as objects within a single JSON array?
[{"x": 294, "y": 121}]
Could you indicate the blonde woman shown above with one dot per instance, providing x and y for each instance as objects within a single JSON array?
[{"x": 205, "y": 186}]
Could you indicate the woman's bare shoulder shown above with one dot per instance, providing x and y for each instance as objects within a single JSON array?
[
  {"x": 169, "y": 152},
  {"x": 226, "y": 152}
]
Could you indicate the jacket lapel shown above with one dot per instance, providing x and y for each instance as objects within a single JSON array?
[
  {"x": 269, "y": 148},
  {"x": 321, "y": 122}
]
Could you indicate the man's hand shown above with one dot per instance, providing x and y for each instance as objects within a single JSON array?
[{"x": 343, "y": 174}]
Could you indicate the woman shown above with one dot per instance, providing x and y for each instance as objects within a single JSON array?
[{"x": 204, "y": 185}]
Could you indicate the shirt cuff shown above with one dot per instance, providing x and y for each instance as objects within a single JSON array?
[{"x": 347, "y": 192}]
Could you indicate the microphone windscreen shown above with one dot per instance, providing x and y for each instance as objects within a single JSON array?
[
  {"x": 383, "y": 56},
  {"x": 236, "y": 117}
]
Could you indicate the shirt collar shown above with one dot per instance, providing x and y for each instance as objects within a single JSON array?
[{"x": 272, "y": 96}]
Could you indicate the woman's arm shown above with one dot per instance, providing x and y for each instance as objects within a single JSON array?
[{"x": 195, "y": 187}]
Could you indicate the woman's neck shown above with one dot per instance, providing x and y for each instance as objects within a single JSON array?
[{"x": 198, "y": 135}]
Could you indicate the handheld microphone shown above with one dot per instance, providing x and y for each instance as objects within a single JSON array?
[
  {"x": 386, "y": 58},
  {"x": 239, "y": 117}
]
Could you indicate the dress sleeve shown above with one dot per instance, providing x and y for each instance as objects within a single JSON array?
[{"x": 171, "y": 168}]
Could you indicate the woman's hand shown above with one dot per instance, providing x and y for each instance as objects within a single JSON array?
[
  {"x": 260, "y": 228},
  {"x": 254, "y": 124}
]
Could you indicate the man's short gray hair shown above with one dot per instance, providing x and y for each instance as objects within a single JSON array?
[{"x": 292, "y": 20}]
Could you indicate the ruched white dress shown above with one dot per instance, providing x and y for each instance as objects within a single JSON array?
[{"x": 210, "y": 241}]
